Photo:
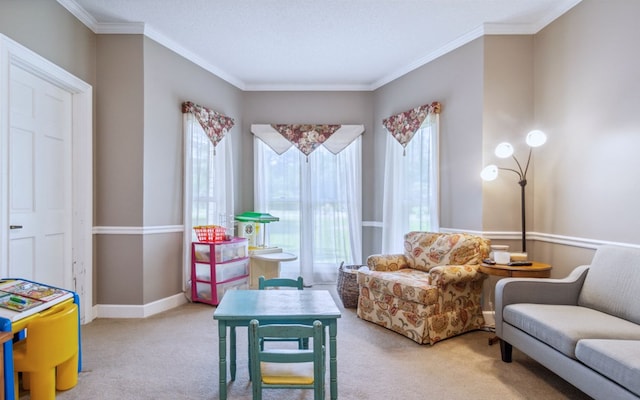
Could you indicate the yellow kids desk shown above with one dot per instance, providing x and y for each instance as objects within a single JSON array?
[{"x": 15, "y": 320}]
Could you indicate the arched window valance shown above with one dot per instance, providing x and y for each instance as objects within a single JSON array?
[
  {"x": 214, "y": 124},
  {"x": 307, "y": 137},
  {"x": 404, "y": 125}
]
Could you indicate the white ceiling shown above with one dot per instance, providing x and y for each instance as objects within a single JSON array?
[{"x": 314, "y": 44}]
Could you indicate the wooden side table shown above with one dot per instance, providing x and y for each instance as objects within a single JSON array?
[{"x": 536, "y": 270}]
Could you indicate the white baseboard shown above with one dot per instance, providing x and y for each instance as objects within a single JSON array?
[
  {"x": 139, "y": 311},
  {"x": 489, "y": 318}
]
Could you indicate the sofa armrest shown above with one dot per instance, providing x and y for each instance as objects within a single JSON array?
[
  {"x": 446, "y": 274},
  {"x": 538, "y": 291},
  {"x": 387, "y": 262}
]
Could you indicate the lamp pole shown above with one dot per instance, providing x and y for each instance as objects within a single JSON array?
[
  {"x": 522, "y": 181},
  {"x": 535, "y": 138}
]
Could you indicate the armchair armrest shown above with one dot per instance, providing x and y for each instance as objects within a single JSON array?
[
  {"x": 445, "y": 274},
  {"x": 538, "y": 291},
  {"x": 387, "y": 262}
]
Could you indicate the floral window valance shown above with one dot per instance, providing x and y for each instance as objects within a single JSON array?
[
  {"x": 307, "y": 137},
  {"x": 214, "y": 124},
  {"x": 404, "y": 125}
]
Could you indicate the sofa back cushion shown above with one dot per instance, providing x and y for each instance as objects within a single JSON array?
[
  {"x": 425, "y": 250},
  {"x": 613, "y": 283}
]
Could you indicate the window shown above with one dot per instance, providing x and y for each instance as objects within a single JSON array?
[
  {"x": 318, "y": 201},
  {"x": 208, "y": 182},
  {"x": 410, "y": 186}
]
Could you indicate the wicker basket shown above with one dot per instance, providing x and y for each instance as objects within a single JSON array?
[{"x": 348, "y": 285}]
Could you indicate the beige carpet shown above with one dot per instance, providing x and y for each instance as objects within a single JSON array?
[{"x": 174, "y": 355}]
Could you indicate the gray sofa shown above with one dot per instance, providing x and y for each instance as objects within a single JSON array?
[{"x": 585, "y": 327}]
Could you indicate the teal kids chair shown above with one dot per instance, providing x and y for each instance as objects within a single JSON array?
[
  {"x": 287, "y": 368},
  {"x": 276, "y": 283}
]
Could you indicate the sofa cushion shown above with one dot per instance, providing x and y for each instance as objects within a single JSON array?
[
  {"x": 613, "y": 283},
  {"x": 618, "y": 360},
  {"x": 562, "y": 326},
  {"x": 425, "y": 250}
]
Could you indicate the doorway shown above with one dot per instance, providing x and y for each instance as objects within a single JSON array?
[{"x": 51, "y": 244}]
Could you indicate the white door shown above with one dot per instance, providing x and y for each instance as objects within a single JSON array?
[{"x": 40, "y": 165}]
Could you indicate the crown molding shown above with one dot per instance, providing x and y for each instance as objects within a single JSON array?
[
  {"x": 77, "y": 11},
  {"x": 306, "y": 87},
  {"x": 189, "y": 55}
]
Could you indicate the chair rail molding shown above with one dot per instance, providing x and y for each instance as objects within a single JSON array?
[
  {"x": 574, "y": 241},
  {"x": 136, "y": 230}
]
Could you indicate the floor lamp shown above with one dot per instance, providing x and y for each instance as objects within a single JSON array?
[{"x": 535, "y": 138}]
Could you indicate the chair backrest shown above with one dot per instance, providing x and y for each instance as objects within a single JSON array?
[
  {"x": 262, "y": 361},
  {"x": 53, "y": 338},
  {"x": 280, "y": 282},
  {"x": 425, "y": 250}
]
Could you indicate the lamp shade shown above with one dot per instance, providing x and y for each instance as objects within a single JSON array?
[
  {"x": 489, "y": 173},
  {"x": 536, "y": 138},
  {"x": 504, "y": 150}
]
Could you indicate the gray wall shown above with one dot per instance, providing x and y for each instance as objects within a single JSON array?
[
  {"x": 49, "y": 30},
  {"x": 588, "y": 96},
  {"x": 456, "y": 81},
  {"x": 139, "y": 164}
]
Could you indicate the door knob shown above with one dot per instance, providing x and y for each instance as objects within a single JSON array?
[{"x": 15, "y": 226}]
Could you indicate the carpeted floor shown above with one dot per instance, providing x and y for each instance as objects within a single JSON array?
[{"x": 174, "y": 355}]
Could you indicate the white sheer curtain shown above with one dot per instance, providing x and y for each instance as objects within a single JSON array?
[
  {"x": 410, "y": 200},
  {"x": 208, "y": 182},
  {"x": 318, "y": 200}
]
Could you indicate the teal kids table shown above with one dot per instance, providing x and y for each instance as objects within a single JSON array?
[{"x": 238, "y": 307}]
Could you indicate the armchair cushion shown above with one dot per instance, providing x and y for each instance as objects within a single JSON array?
[{"x": 425, "y": 250}]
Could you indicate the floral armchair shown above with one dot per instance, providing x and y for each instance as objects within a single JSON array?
[{"x": 431, "y": 292}]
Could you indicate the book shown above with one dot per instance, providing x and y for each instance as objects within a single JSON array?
[
  {"x": 16, "y": 302},
  {"x": 34, "y": 290}
]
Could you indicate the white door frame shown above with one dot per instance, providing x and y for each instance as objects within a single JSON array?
[{"x": 12, "y": 53}]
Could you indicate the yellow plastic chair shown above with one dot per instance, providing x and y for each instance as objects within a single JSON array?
[
  {"x": 287, "y": 368},
  {"x": 48, "y": 356}
]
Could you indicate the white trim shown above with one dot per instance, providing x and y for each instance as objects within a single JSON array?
[
  {"x": 307, "y": 87},
  {"x": 372, "y": 224},
  {"x": 77, "y": 11},
  {"x": 136, "y": 230},
  {"x": 489, "y": 319},
  {"x": 13, "y": 53},
  {"x": 574, "y": 241},
  {"x": 140, "y": 311}
]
